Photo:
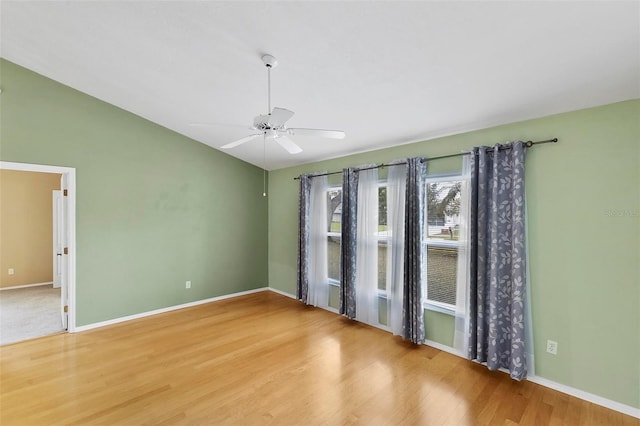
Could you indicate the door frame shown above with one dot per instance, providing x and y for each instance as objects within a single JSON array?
[
  {"x": 57, "y": 198},
  {"x": 70, "y": 173}
]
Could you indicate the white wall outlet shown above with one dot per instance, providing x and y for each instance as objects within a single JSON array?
[
  {"x": 552, "y": 347},
  {"x": 12, "y": 271},
  {"x": 187, "y": 284}
]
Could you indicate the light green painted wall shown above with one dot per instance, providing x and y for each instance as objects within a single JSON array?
[
  {"x": 154, "y": 208},
  {"x": 585, "y": 264}
]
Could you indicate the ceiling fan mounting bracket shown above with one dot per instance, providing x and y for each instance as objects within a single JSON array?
[{"x": 269, "y": 61}]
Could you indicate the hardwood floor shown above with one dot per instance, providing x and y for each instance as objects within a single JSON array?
[{"x": 264, "y": 359}]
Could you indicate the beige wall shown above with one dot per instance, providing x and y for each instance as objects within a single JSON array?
[{"x": 26, "y": 230}]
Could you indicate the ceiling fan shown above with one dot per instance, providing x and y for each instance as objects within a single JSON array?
[{"x": 273, "y": 125}]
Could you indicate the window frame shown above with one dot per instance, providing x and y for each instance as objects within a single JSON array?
[
  {"x": 333, "y": 281},
  {"x": 428, "y": 304}
]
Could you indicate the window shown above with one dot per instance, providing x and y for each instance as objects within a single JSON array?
[
  {"x": 443, "y": 227},
  {"x": 382, "y": 239},
  {"x": 442, "y": 231},
  {"x": 334, "y": 233}
]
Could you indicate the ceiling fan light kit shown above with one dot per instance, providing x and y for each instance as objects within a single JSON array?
[{"x": 272, "y": 126}]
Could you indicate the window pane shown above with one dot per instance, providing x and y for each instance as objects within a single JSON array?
[
  {"x": 443, "y": 210},
  {"x": 441, "y": 274},
  {"x": 382, "y": 265},
  {"x": 333, "y": 257},
  {"x": 334, "y": 205},
  {"x": 382, "y": 238},
  {"x": 382, "y": 209}
]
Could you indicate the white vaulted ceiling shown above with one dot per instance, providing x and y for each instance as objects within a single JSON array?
[{"x": 385, "y": 72}]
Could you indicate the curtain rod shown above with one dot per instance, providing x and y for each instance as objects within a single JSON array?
[{"x": 527, "y": 144}]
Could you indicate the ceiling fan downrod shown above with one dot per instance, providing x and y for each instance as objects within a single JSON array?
[{"x": 269, "y": 62}]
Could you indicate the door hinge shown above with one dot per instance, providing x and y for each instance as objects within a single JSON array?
[
  {"x": 66, "y": 250},
  {"x": 66, "y": 308},
  {"x": 64, "y": 192}
]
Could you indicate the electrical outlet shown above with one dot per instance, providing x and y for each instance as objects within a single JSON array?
[
  {"x": 187, "y": 284},
  {"x": 12, "y": 271},
  {"x": 552, "y": 347}
]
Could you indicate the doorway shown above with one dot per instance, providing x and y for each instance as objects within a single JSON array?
[{"x": 63, "y": 250}]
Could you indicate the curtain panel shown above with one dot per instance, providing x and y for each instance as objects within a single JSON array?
[
  {"x": 318, "y": 294},
  {"x": 349, "y": 241},
  {"x": 304, "y": 195},
  {"x": 366, "y": 278},
  {"x": 312, "y": 245},
  {"x": 414, "y": 251},
  {"x": 461, "y": 329},
  {"x": 497, "y": 258},
  {"x": 396, "y": 193}
]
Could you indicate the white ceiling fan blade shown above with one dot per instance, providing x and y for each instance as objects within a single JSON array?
[
  {"x": 279, "y": 116},
  {"x": 334, "y": 134},
  {"x": 240, "y": 141},
  {"x": 288, "y": 144}
]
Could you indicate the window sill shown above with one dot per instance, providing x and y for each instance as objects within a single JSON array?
[
  {"x": 439, "y": 307},
  {"x": 443, "y": 308}
]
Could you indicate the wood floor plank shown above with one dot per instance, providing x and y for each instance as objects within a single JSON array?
[{"x": 264, "y": 359}]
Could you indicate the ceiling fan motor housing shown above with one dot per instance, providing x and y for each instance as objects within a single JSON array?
[
  {"x": 265, "y": 122},
  {"x": 261, "y": 122}
]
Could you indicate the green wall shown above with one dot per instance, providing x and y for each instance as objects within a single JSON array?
[
  {"x": 154, "y": 208},
  {"x": 584, "y": 238}
]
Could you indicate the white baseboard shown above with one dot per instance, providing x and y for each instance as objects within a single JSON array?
[
  {"x": 282, "y": 293},
  {"x": 26, "y": 285},
  {"x": 291, "y": 296},
  {"x": 598, "y": 400},
  {"x": 586, "y": 396},
  {"x": 444, "y": 348},
  {"x": 163, "y": 310}
]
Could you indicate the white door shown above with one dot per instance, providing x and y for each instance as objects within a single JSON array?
[
  {"x": 57, "y": 239},
  {"x": 64, "y": 257}
]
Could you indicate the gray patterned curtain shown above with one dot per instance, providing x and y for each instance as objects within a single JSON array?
[
  {"x": 348, "y": 246},
  {"x": 414, "y": 251},
  {"x": 497, "y": 275},
  {"x": 304, "y": 198}
]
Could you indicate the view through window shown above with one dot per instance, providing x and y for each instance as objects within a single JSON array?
[
  {"x": 334, "y": 233},
  {"x": 441, "y": 239},
  {"x": 443, "y": 228}
]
